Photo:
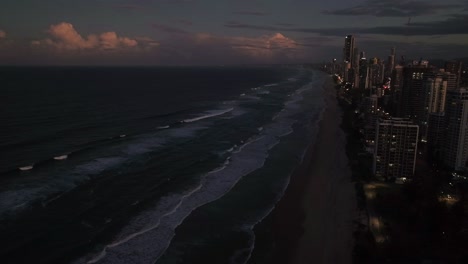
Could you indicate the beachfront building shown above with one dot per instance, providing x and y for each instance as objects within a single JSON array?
[
  {"x": 454, "y": 67},
  {"x": 348, "y": 49},
  {"x": 435, "y": 134},
  {"x": 412, "y": 92},
  {"x": 455, "y": 147},
  {"x": 435, "y": 86},
  {"x": 395, "y": 148}
]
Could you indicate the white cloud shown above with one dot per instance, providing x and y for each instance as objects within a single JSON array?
[
  {"x": 262, "y": 47},
  {"x": 64, "y": 37}
]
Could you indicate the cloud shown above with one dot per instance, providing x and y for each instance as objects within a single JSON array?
[
  {"x": 453, "y": 24},
  {"x": 267, "y": 46},
  {"x": 184, "y": 22},
  {"x": 2, "y": 34},
  {"x": 285, "y": 24},
  {"x": 168, "y": 29},
  {"x": 64, "y": 37},
  {"x": 127, "y": 7},
  {"x": 206, "y": 48},
  {"x": 393, "y": 8},
  {"x": 250, "y": 13}
]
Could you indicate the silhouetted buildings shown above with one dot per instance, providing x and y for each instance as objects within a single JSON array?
[
  {"x": 454, "y": 67},
  {"x": 455, "y": 145},
  {"x": 348, "y": 50},
  {"x": 405, "y": 104},
  {"x": 395, "y": 148},
  {"x": 363, "y": 72},
  {"x": 411, "y": 105}
]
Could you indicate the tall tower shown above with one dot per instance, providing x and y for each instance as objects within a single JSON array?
[
  {"x": 348, "y": 50},
  {"x": 455, "y": 147},
  {"x": 363, "y": 72},
  {"x": 390, "y": 63},
  {"x": 434, "y": 91},
  {"x": 396, "y": 86},
  {"x": 395, "y": 150},
  {"x": 411, "y": 104},
  {"x": 454, "y": 67}
]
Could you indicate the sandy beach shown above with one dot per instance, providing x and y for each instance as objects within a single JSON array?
[{"x": 313, "y": 222}]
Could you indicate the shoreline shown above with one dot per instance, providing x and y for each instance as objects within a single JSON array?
[{"x": 313, "y": 221}]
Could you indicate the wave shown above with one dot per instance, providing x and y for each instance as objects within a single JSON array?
[
  {"x": 125, "y": 239},
  {"x": 163, "y": 127},
  {"x": 173, "y": 209},
  {"x": 157, "y": 226},
  {"x": 26, "y": 168},
  {"x": 208, "y": 114},
  {"x": 62, "y": 157}
]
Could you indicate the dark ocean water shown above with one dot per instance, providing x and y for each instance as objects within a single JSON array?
[{"x": 145, "y": 165}]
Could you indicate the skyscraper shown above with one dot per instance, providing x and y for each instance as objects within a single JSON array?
[
  {"x": 434, "y": 95},
  {"x": 455, "y": 147},
  {"x": 412, "y": 104},
  {"x": 390, "y": 63},
  {"x": 363, "y": 72},
  {"x": 395, "y": 148},
  {"x": 348, "y": 50},
  {"x": 435, "y": 133},
  {"x": 454, "y": 67},
  {"x": 396, "y": 86}
]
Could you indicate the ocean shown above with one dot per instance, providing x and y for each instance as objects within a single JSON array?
[{"x": 148, "y": 164}]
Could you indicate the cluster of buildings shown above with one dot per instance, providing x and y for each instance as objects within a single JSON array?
[{"x": 407, "y": 108}]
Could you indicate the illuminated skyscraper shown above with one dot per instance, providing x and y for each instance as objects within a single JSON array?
[
  {"x": 454, "y": 67},
  {"x": 390, "y": 63},
  {"x": 434, "y": 95},
  {"x": 411, "y": 104},
  {"x": 455, "y": 145},
  {"x": 395, "y": 148},
  {"x": 363, "y": 72},
  {"x": 348, "y": 50}
]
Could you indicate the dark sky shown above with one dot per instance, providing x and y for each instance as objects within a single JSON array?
[{"x": 200, "y": 32}]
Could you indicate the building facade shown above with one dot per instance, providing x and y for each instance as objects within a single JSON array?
[
  {"x": 395, "y": 148},
  {"x": 455, "y": 145}
]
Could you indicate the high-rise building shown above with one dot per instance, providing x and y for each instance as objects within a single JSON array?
[
  {"x": 464, "y": 77},
  {"x": 434, "y": 95},
  {"x": 363, "y": 72},
  {"x": 412, "y": 105},
  {"x": 454, "y": 67},
  {"x": 435, "y": 133},
  {"x": 348, "y": 50},
  {"x": 376, "y": 73},
  {"x": 395, "y": 150},
  {"x": 390, "y": 63},
  {"x": 355, "y": 67},
  {"x": 395, "y": 87},
  {"x": 455, "y": 147},
  {"x": 355, "y": 58}
]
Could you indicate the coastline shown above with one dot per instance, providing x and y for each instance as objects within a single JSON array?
[{"x": 313, "y": 221}]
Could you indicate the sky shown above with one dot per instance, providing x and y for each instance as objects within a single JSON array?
[{"x": 223, "y": 32}]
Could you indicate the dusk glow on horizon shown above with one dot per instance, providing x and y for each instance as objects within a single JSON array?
[{"x": 207, "y": 32}]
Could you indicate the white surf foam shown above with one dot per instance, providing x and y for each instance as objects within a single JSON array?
[
  {"x": 149, "y": 234},
  {"x": 208, "y": 114},
  {"x": 62, "y": 157},
  {"x": 26, "y": 168}
]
